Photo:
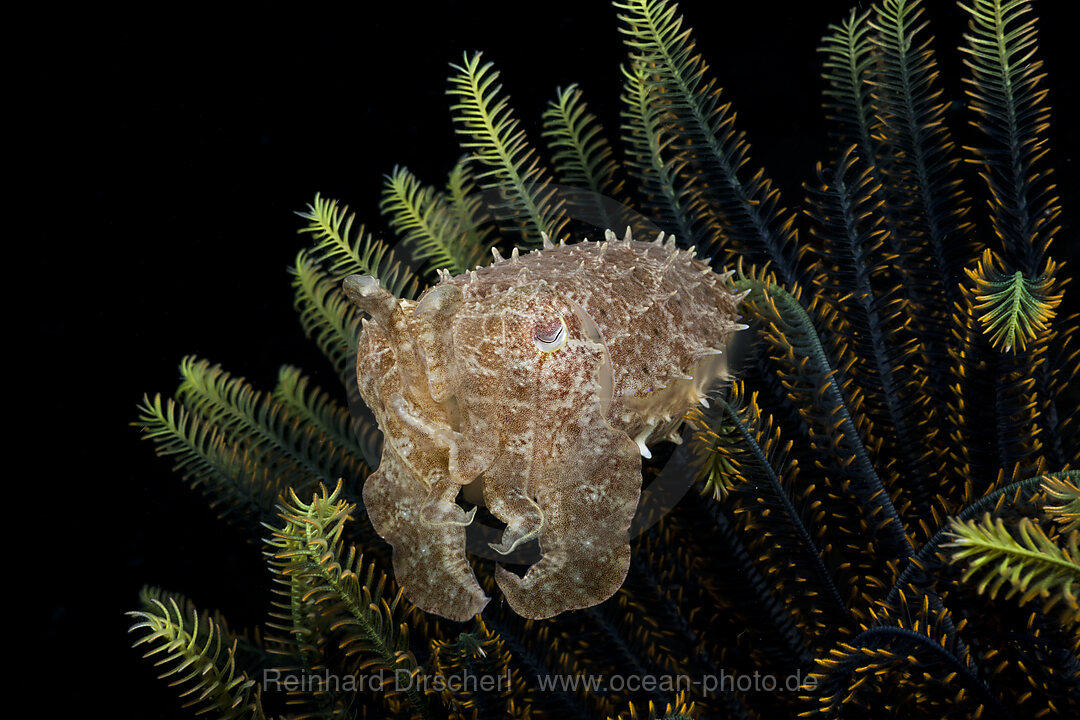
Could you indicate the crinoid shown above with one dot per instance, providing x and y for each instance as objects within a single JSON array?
[{"x": 888, "y": 515}]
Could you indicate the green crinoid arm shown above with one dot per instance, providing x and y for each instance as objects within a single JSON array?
[
  {"x": 341, "y": 433},
  {"x": 492, "y": 136},
  {"x": 848, "y": 71},
  {"x": 346, "y": 252},
  {"x": 467, "y": 208},
  {"x": 1007, "y": 94},
  {"x": 582, "y": 157},
  {"x": 1013, "y": 309},
  {"x": 368, "y": 621},
  {"x": 428, "y": 224},
  {"x": 242, "y": 447},
  {"x": 261, "y": 425},
  {"x": 234, "y": 481},
  {"x": 197, "y": 655},
  {"x": 669, "y": 192},
  {"x": 1063, "y": 493},
  {"x": 1023, "y": 559},
  {"x": 326, "y": 314}
]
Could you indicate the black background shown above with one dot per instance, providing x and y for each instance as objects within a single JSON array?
[{"x": 167, "y": 157}]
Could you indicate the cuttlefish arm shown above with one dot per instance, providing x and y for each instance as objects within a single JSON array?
[
  {"x": 588, "y": 501},
  {"x": 429, "y": 558},
  {"x": 409, "y": 499}
]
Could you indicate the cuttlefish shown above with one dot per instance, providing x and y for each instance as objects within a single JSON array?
[{"x": 538, "y": 382}]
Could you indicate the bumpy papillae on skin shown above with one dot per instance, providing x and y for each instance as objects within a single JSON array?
[{"x": 541, "y": 378}]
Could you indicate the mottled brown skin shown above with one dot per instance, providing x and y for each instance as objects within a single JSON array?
[{"x": 543, "y": 378}]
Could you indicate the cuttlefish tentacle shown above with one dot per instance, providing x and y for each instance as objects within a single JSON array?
[
  {"x": 439, "y": 508},
  {"x": 507, "y": 499}
]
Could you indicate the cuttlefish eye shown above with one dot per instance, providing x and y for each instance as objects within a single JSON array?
[{"x": 550, "y": 335}]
